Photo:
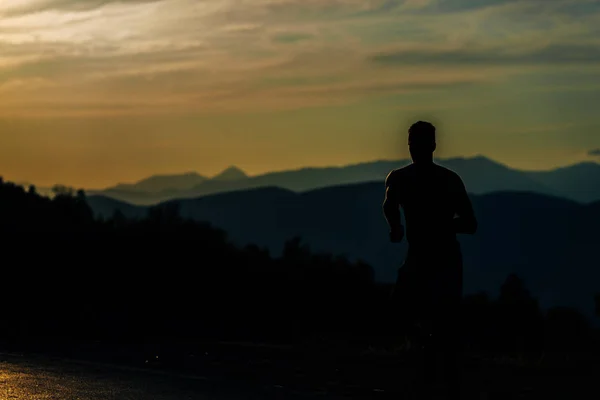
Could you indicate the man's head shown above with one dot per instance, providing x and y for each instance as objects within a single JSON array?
[{"x": 421, "y": 141}]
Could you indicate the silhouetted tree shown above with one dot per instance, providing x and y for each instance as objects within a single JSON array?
[
  {"x": 62, "y": 190},
  {"x": 567, "y": 330},
  {"x": 520, "y": 317},
  {"x": 118, "y": 218},
  {"x": 165, "y": 213},
  {"x": 295, "y": 251}
]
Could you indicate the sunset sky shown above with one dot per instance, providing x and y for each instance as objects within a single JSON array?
[{"x": 95, "y": 92}]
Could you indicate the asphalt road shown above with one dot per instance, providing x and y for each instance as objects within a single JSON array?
[{"x": 44, "y": 378}]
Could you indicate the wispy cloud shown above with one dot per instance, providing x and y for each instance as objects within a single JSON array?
[
  {"x": 189, "y": 51},
  {"x": 16, "y": 7},
  {"x": 292, "y": 37},
  {"x": 594, "y": 152},
  {"x": 548, "y": 55}
]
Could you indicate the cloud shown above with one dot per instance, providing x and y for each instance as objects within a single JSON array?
[
  {"x": 243, "y": 51},
  {"x": 454, "y": 6},
  {"x": 18, "y": 8},
  {"x": 594, "y": 153},
  {"x": 449, "y": 7},
  {"x": 552, "y": 54},
  {"x": 292, "y": 37},
  {"x": 198, "y": 88}
]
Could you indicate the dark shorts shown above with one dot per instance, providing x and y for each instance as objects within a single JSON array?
[{"x": 429, "y": 287}]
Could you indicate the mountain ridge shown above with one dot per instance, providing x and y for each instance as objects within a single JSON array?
[
  {"x": 480, "y": 174},
  {"x": 157, "y": 183},
  {"x": 579, "y": 182}
]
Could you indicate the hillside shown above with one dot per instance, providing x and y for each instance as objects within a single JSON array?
[
  {"x": 580, "y": 182},
  {"x": 549, "y": 241},
  {"x": 162, "y": 282},
  {"x": 160, "y": 183}
]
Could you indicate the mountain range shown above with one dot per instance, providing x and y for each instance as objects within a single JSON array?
[
  {"x": 579, "y": 182},
  {"x": 548, "y": 241}
]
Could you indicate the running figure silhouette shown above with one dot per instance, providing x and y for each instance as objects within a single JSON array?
[{"x": 428, "y": 289}]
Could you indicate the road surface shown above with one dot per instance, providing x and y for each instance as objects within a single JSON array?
[
  {"x": 51, "y": 378},
  {"x": 43, "y": 378}
]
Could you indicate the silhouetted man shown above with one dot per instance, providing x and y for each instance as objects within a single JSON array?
[{"x": 436, "y": 207}]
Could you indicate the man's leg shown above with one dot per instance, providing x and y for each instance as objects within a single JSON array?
[
  {"x": 404, "y": 305},
  {"x": 443, "y": 312},
  {"x": 449, "y": 327},
  {"x": 425, "y": 335}
]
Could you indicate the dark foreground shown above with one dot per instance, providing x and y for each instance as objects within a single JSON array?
[
  {"x": 235, "y": 372},
  {"x": 41, "y": 379}
]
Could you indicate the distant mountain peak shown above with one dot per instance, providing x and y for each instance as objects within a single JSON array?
[
  {"x": 232, "y": 173},
  {"x": 170, "y": 176},
  {"x": 161, "y": 182},
  {"x": 191, "y": 173},
  {"x": 479, "y": 157}
]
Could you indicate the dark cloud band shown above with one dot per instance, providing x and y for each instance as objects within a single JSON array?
[{"x": 555, "y": 54}]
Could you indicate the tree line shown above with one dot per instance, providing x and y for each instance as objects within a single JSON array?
[{"x": 71, "y": 277}]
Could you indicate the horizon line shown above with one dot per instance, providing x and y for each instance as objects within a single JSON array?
[{"x": 308, "y": 167}]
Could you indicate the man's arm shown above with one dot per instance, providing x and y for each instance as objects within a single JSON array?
[
  {"x": 391, "y": 210},
  {"x": 466, "y": 221}
]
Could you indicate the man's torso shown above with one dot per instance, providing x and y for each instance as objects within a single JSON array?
[{"x": 427, "y": 195}]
